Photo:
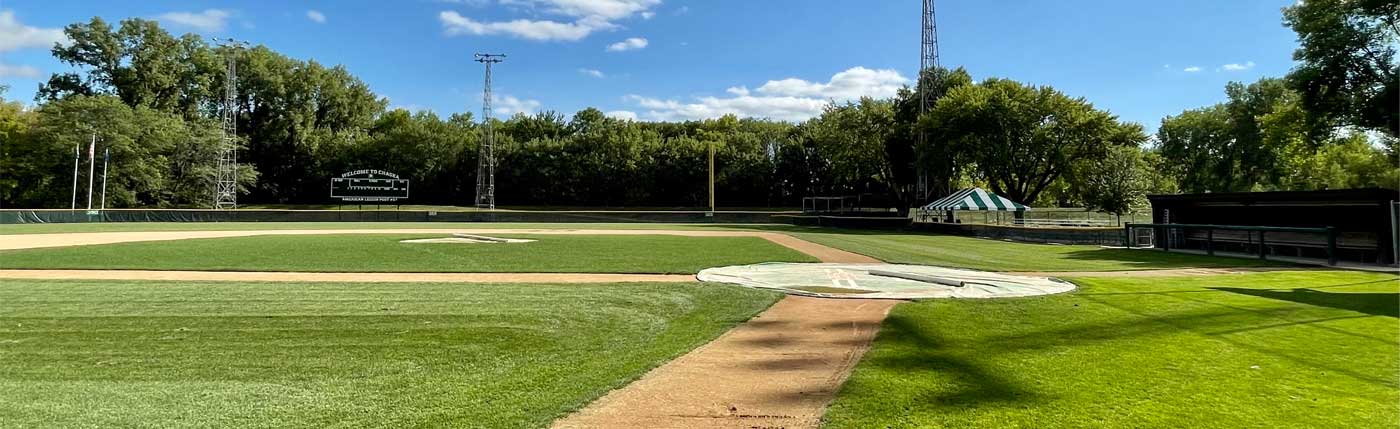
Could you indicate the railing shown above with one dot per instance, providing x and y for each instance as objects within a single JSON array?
[
  {"x": 1070, "y": 223},
  {"x": 1252, "y": 235}
]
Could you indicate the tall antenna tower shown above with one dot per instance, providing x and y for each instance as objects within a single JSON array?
[
  {"x": 486, "y": 161},
  {"x": 226, "y": 179},
  {"x": 928, "y": 59}
]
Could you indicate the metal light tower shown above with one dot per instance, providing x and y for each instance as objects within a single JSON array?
[
  {"x": 928, "y": 60},
  {"x": 486, "y": 162},
  {"x": 226, "y": 179}
]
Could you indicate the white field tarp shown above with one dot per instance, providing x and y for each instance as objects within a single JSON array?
[{"x": 883, "y": 281}]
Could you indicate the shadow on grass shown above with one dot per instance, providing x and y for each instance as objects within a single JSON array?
[
  {"x": 971, "y": 384},
  {"x": 1154, "y": 259},
  {"x": 1375, "y": 304},
  {"x": 1220, "y": 324},
  {"x": 974, "y": 384}
]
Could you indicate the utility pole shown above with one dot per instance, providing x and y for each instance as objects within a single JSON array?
[
  {"x": 226, "y": 179},
  {"x": 486, "y": 160},
  {"x": 106, "y": 158},
  {"x": 712, "y": 178},
  {"x": 76, "y": 154},
  {"x": 928, "y": 59},
  {"x": 92, "y": 167}
]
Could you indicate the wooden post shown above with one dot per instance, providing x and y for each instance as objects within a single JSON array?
[
  {"x": 1210, "y": 241},
  {"x": 1263, "y": 246},
  {"x": 1331, "y": 246},
  {"x": 1128, "y": 236}
]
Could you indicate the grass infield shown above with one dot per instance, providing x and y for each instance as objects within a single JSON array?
[
  {"x": 1291, "y": 349},
  {"x": 650, "y": 254},
  {"x": 126, "y": 354}
]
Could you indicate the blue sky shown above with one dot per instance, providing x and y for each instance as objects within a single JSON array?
[{"x": 679, "y": 59}]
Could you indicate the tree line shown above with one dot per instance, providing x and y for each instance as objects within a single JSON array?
[{"x": 153, "y": 99}]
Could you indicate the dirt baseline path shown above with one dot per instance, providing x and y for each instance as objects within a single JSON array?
[{"x": 778, "y": 370}]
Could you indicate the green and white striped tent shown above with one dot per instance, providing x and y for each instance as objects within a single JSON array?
[{"x": 974, "y": 199}]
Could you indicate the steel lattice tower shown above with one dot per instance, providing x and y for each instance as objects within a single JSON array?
[
  {"x": 226, "y": 180},
  {"x": 928, "y": 63},
  {"x": 486, "y": 161}
]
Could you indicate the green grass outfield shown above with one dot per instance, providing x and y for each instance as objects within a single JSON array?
[
  {"x": 893, "y": 247},
  {"x": 997, "y": 255},
  {"x": 652, "y": 254},
  {"x": 58, "y": 228},
  {"x": 125, "y": 354},
  {"x": 1289, "y": 349}
]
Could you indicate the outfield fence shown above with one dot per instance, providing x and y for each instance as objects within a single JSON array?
[
  {"x": 1054, "y": 218},
  {"x": 582, "y": 216}
]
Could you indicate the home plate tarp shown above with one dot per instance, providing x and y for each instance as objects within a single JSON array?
[{"x": 883, "y": 281}]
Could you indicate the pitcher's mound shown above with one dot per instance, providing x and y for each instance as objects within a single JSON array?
[
  {"x": 887, "y": 281},
  {"x": 468, "y": 239}
]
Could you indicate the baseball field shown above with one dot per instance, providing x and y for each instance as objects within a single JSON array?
[{"x": 604, "y": 325}]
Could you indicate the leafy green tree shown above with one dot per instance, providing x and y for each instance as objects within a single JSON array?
[
  {"x": 1118, "y": 182},
  {"x": 1251, "y": 161},
  {"x": 1021, "y": 138},
  {"x": 1347, "y": 71},
  {"x": 139, "y": 63},
  {"x": 157, "y": 158},
  {"x": 853, "y": 137},
  {"x": 15, "y": 148},
  {"x": 936, "y": 156},
  {"x": 1351, "y": 162},
  {"x": 1262, "y": 139}
]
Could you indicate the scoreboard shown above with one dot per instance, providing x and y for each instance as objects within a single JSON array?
[{"x": 369, "y": 186}]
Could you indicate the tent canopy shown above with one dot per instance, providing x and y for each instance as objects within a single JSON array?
[{"x": 975, "y": 199}]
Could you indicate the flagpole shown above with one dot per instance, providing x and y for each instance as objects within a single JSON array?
[
  {"x": 92, "y": 166},
  {"x": 106, "y": 157},
  {"x": 76, "y": 152}
]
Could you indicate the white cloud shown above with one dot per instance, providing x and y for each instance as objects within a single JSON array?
[
  {"x": 847, "y": 85},
  {"x": 630, "y": 44},
  {"x": 593, "y": 73},
  {"x": 1238, "y": 67},
  {"x": 1192, "y": 69},
  {"x": 648, "y": 15},
  {"x": 210, "y": 20},
  {"x": 588, "y": 16},
  {"x": 21, "y": 71},
  {"x": 605, "y": 9},
  {"x": 455, "y": 24},
  {"x": 506, "y": 106},
  {"x": 787, "y": 99},
  {"x": 622, "y": 114},
  {"x": 316, "y": 15},
  {"x": 15, "y": 35}
]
